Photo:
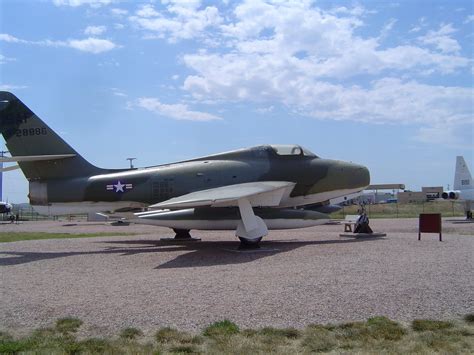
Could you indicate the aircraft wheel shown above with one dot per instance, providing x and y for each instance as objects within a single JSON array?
[{"x": 249, "y": 243}]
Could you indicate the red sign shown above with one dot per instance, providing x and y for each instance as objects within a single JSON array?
[{"x": 430, "y": 223}]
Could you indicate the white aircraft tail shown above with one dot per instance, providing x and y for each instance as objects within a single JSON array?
[{"x": 462, "y": 175}]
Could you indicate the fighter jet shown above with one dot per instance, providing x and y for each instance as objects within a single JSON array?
[{"x": 249, "y": 190}]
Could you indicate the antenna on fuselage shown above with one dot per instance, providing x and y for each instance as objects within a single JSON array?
[{"x": 131, "y": 162}]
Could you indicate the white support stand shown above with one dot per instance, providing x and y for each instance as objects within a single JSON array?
[{"x": 250, "y": 227}]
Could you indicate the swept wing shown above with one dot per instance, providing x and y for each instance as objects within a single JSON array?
[{"x": 261, "y": 193}]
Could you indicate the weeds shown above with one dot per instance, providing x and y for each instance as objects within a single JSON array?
[
  {"x": 290, "y": 333},
  {"x": 170, "y": 335},
  {"x": 130, "y": 333},
  {"x": 222, "y": 328},
  {"x": 68, "y": 325},
  {"x": 420, "y": 325},
  {"x": 469, "y": 318},
  {"x": 376, "y": 335}
]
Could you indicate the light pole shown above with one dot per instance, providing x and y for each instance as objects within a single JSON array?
[{"x": 131, "y": 162}]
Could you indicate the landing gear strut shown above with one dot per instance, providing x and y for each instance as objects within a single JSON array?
[
  {"x": 250, "y": 229},
  {"x": 181, "y": 235}
]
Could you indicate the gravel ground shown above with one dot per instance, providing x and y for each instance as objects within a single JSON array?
[{"x": 299, "y": 277}]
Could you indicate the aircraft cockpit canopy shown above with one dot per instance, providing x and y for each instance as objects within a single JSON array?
[{"x": 292, "y": 150}]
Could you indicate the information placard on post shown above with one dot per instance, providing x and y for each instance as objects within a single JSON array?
[{"x": 430, "y": 223}]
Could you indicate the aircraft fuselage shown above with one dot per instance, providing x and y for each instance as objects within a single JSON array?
[{"x": 316, "y": 179}]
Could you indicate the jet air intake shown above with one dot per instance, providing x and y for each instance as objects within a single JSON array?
[{"x": 450, "y": 195}]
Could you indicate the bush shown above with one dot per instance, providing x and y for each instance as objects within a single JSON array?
[
  {"x": 184, "y": 349},
  {"x": 222, "y": 328},
  {"x": 384, "y": 328},
  {"x": 11, "y": 346},
  {"x": 130, "y": 333},
  {"x": 290, "y": 333},
  {"x": 170, "y": 335},
  {"x": 420, "y": 325},
  {"x": 469, "y": 318},
  {"x": 68, "y": 325},
  {"x": 96, "y": 345},
  {"x": 318, "y": 339}
]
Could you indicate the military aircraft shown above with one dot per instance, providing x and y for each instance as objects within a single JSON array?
[
  {"x": 5, "y": 207},
  {"x": 248, "y": 190},
  {"x": 463, "y": 186}
]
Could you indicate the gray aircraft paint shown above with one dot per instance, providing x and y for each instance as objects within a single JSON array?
[{"x": 73, "y": 180}]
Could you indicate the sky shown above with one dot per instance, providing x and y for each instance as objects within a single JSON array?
[{"x": 385, "y": 84}]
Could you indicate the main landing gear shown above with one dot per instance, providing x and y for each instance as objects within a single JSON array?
[
  {"x": 181, "y": 235},
  {"x": 251, "y": 229}
]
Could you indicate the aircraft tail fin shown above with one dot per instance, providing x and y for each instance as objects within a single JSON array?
[
  {"x": 27, "y": 135},
  {"x": 462, "y": 175}
]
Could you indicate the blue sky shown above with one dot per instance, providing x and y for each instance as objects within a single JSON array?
[{"x": 385, "y": 84}]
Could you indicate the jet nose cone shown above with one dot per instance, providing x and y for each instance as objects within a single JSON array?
[
  {"x": 359, "y": 175},
  {"x": 352, "y": 176}
]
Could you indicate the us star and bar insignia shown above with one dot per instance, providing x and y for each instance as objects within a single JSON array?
[{"x": 119, "y": 187}]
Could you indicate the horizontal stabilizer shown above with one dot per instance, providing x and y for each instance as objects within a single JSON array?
[
  {"x": 35, "y": 157},
  {"x": 262, "y": 193}
]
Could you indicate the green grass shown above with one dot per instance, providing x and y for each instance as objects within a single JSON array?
[
  {"x": 420, "y": 325},
  {"x": 19, "y": 236},
  {"x": 222, "y": 328},
  {"x": 376, "y": 335},
  {"x": 68, "y": 325},
  {"x": 130, "y": 333}
]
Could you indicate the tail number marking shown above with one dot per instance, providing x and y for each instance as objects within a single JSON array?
[{"x": 27, "y": 132}]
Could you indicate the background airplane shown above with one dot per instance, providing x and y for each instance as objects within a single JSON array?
[
  {"x": 5, "y": 207},
  {"x": 463, "y": 186},
  {"x": 248, "y": 190}
]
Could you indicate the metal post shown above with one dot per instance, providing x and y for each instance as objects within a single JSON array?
[
  {"x": 2, "y": 154},
  {"x": 131, "y": 162}
]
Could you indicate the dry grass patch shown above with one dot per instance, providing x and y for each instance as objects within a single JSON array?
[{"x": 376, "y": 335}]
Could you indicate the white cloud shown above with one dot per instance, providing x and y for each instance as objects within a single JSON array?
[
  {"x": 8, "y": 87},
  {"x": 4, "y": 59},
  {"x": 265, "y": 110},
  {"x": 387, "y": 28},
  {"x": 300, "y": 56},
  {"x": 355, "y": 11},
  {"x": 181, "y": 20},
  {"x": 76, "y": 3},
  {"x": 119, "y": 12},
  {"x": 458, "y": 136},
  {"x": 11, "y": 39},
  {"x": 442, "y": 40},
  {"x": 118, "y": 92},
  {"x": 109, "y": 63},
  {"x": 91, "y": 44},
  {"x": 147, "y": 11},
  {"x": 175, "y": 111},
  {"x": 469, "y": 19},
  {"x": 95, "y": 30}
]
